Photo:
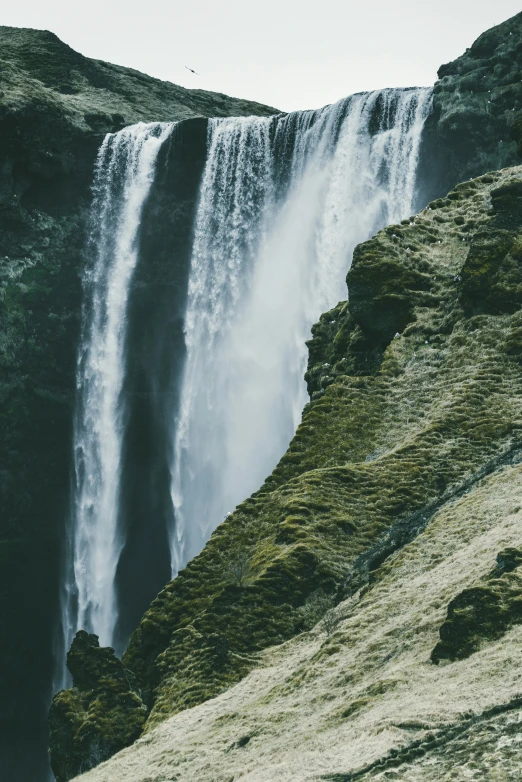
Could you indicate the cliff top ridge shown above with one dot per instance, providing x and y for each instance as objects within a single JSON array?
[{"x": 37, "y": 68}]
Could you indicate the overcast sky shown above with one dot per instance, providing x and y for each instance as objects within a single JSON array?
[{"x": 291, "y": 54}]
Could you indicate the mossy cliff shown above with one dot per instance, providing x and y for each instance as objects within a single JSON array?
[
  {"x": 415, "y": 415},
  {"x": 55, "y": 107},
  {"x": 109, "y": 714}
]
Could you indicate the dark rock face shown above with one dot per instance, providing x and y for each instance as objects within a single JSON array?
[
  {"x": 492, "y": 274},
  {"x": 339, "y": 346},
  {"x": 156, "y": 352},
  {"x": 384, "y": 289},
  {"x": 477, "y": 108},
  {"x": 41, "y": 253},
  {"x": 508, "y": 560},
  {"x": 101, "y": 714},
  {"x": 507, "y": 204}
]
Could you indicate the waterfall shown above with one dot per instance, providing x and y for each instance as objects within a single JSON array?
[
  {"x": 283, "y": 202},
  {"x": 123, "y": 176}
]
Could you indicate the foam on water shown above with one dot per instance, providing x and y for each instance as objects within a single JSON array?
[
  {"x": 284, "y": 200},
  {"x": 123, "y": 176}
]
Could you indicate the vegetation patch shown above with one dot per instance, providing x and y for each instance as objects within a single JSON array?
[{"x": 484, "y": 612}]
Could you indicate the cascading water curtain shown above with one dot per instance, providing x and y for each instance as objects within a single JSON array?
[
  {"x": 284, "y": 201},
  {"x": 226, "y": 244},
  {"x": 123, "y": 177}
]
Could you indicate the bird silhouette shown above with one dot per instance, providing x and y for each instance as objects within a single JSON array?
[{"x": 192, "y": 71}]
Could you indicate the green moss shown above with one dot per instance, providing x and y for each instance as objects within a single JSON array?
[
  {"x": 384, "y": 286},
  {"x": 507, "y": 203},
  {"x": 354, "y": 708},
  {"x": 100, "y": 715},
  {"x": 482, "y": 613},
  {"x": 492, "y": 274}
]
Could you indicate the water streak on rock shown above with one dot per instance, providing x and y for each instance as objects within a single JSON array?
[{"x": 123, "y": 177}]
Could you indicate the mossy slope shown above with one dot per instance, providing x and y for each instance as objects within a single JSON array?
[
  {"x": 413, "y": 393},
  {"x": 100, "y": 715},
  {"x": 416, "y": 510}
]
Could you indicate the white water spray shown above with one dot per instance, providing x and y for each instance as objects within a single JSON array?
[
  {"x": 283, "y": 203},
  {"x": 123, "y": 177}
]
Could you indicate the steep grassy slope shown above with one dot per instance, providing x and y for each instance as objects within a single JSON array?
[
  {"x": 366, "y": 702},
  {"x": 397, "y": 492}
]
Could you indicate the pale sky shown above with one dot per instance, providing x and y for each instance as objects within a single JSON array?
[{"x": 291, "y": 54}]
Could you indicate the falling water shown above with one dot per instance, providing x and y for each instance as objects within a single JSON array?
[
  {"x": 123, "y": 177},
  {"x": 284, "y": 201}
]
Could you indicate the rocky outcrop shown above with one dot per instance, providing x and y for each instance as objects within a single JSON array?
[
  {"x": 393, "y": 502},
  {"x": 55, "y": 107},
  {"x": 477, "y": 108},
  {"x": 484, "y": 612},
  {"x": 101, "y": 714}
]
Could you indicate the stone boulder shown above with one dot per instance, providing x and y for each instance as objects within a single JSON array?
[{"x": 101, "y": 714}]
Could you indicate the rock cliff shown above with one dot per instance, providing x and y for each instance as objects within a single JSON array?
[
  {"x": 360, "y": 616},
  {"x": 55, "y": 107},
  {"x": 414, "y": 386},
  {"x": 476, "y": 121}
]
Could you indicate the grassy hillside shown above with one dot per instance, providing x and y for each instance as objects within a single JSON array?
[{"x": 396, "y": 494}]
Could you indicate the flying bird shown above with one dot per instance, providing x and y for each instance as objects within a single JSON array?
[{"x": 192, "y": 71}]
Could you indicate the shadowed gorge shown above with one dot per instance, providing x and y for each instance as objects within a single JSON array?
[{"x": 335, "y": 493}]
